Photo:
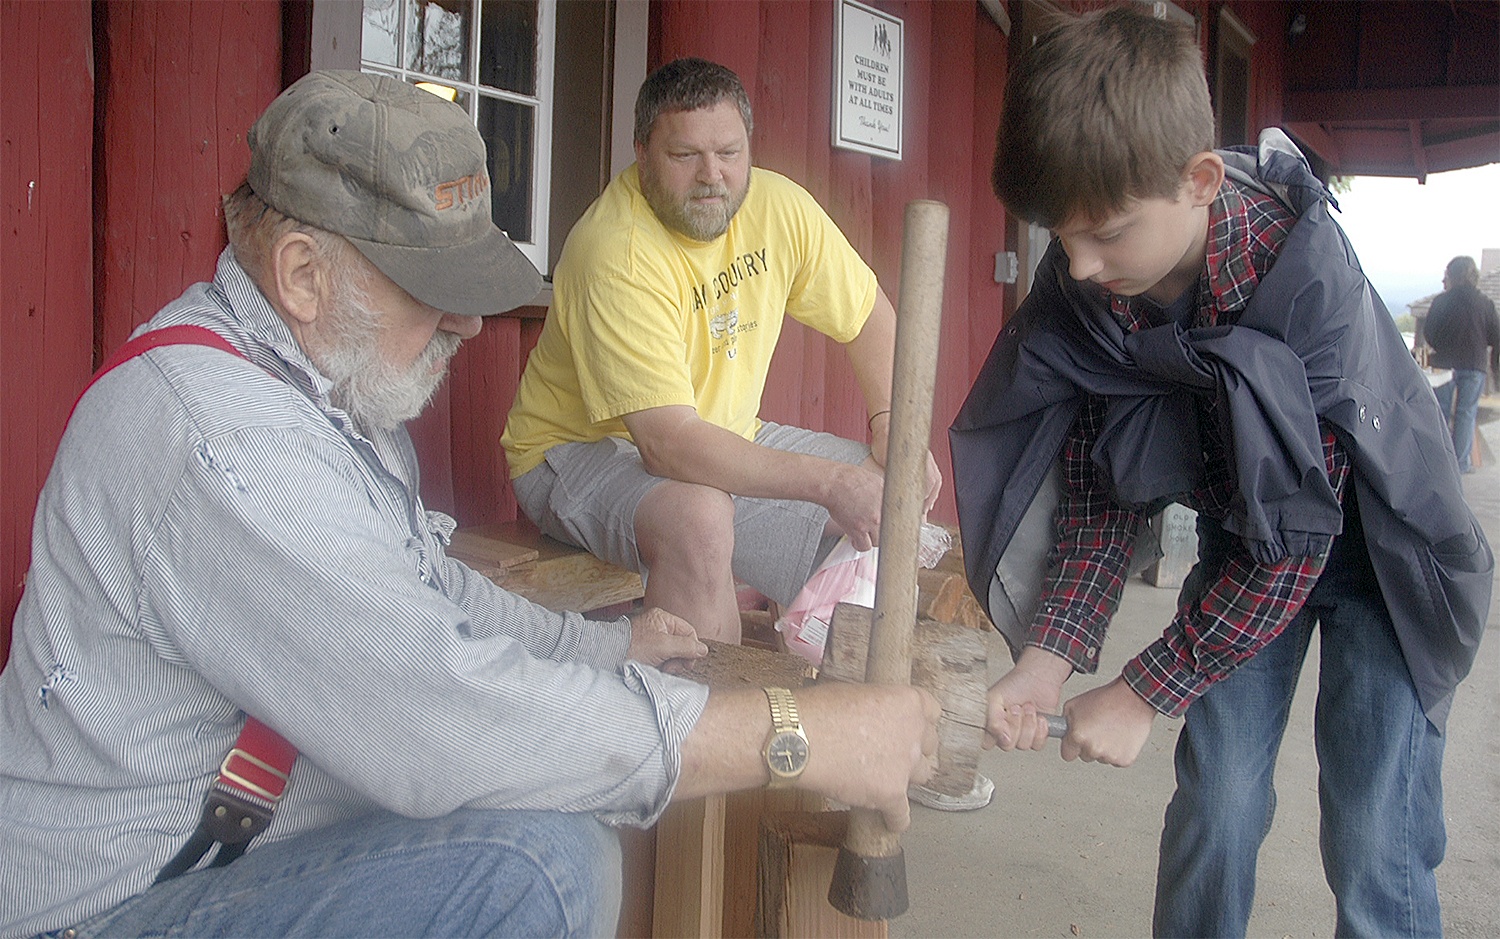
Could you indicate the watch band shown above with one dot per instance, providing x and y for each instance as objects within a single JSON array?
[
  {"x": 783, "y": 710},
  {"x": 786, "y": 748}
]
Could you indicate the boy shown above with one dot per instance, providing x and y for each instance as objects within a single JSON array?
[{"x": 1200, "y": 331}]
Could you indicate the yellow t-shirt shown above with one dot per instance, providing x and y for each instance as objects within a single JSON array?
[{"x": 643, "y": 317}]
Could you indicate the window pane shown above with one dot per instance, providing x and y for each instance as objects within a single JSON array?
[
  {"x": 382, "y": 19},
  {"x": 437, "y": 37},
  {"x": 507, "y": 131},
  {"x": 448, "y": 93},
  {"x": 507, "y": 45}
]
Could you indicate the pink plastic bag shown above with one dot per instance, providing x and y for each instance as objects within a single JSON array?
[{"x": 845, "y": 576}]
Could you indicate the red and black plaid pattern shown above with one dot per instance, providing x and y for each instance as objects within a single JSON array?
[{"x": 1245, "y": 604}]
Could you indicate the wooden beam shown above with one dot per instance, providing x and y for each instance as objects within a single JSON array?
[
  {"x": 690, "y": 870},
  {"x": 1418, "y": 152},
  {"x": 1315, "y": 138},
  {"x": 1393, "y": 104}
]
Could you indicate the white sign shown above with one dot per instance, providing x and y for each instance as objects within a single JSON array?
[{"x": 867, "y": 80}]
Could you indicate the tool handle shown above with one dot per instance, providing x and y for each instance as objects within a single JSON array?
[{"x": 1057, "y": 725}]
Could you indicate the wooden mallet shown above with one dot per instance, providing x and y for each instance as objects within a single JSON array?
[{"x": 869, "y": 877}]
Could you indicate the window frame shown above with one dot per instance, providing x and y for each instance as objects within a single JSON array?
[{"x": 536, "y": 248}]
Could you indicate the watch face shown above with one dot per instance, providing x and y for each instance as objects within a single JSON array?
[{"x": 787, "y": 754}]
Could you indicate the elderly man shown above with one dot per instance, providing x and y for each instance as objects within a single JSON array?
[
  {"x": 232, "y": 529},
  {"x": 635, "y": 431}
]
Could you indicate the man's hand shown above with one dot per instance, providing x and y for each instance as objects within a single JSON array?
[
  {"x": 1019, "y": 701},
  {"x": 880, "y": 436},
  {"x": 869, "y": 744},
  {"x": 853, "y": 498},
  {"x": 1108, "y": 724},
  {"x": 657, "y": 637}
]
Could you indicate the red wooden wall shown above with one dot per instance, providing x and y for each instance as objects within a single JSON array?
[
  {"x": 179, "y": 85},
  {"x": 122, "y": 124},
  {"x": 46, "y": 296}
]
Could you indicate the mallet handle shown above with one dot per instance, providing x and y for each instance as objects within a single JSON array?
[{"x": 918, "y": 322}]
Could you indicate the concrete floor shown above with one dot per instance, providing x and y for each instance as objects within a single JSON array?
[{"x": 1070, "y": 849}]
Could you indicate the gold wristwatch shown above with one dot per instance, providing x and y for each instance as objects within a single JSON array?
[{"x": 786, "y": 748}]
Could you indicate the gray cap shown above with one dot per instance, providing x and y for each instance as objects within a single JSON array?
[{"x": 399, "y": 172}]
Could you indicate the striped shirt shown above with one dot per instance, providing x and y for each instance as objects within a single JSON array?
[
  {"x": 217, "y": 538},
  {"x": 1245, "y": 604}
]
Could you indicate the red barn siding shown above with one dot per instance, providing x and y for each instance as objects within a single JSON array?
[
  {"x": 180, "y": 84},
  {"x": 46, "y": 297},
  {"x": 111, "y": 199}
]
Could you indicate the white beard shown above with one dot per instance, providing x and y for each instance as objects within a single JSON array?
[{"x": 375, "y": 393}]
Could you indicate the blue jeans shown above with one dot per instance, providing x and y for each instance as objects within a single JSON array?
[
  {"x": 1469, "y": 384},
  {"x": 1379, "y": 769},
  {"x": 470, "y": 873}
]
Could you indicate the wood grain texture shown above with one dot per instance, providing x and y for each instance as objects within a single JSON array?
[
  {"x": 947, "y": 660},
  {"x": 46, "y": 264},
  {"x": 560, "y": 577},
  {"x": 797, "y": 852}
]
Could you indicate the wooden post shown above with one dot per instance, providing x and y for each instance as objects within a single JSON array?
[
  {"x": 690, "y": 867},
  {"x": 797, "y": 855}
]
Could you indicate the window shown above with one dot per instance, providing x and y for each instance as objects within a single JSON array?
[
  {"x": 494, "y": 58},
  {"x": 1231, "y": 83}
]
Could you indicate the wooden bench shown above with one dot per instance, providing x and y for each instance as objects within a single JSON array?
[
  {"x": 558, "y": 576},
  {"x": 695, "y": 873}
]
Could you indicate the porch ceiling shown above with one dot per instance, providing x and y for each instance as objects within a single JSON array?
[{"x": 1395, "y": 87}]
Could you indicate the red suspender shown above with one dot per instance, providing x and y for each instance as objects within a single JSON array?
[{"x": 254, "y": 775}]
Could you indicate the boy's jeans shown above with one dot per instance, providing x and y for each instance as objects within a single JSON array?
[
  {"x": 1379, "y": 785},
  {"x": 470, "y": 873},
  {"x": 1469, "y": 384}
]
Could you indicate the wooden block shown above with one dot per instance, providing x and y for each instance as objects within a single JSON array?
[
  {"x": 689, "y": 897},
  {"x": 479, "y": 550},
  {"x": 949, "y": 661},
  {"x": 939, "y": 595},
  {"x": 758, "y": 628},
  {"x": 1179, "y": 546},
  {"x": 943, "y": 593},
  {"x": 743, "y": 815},
  {"x": 797, "y": 854},
  {"x": 577, "y": 581},
  {"x": 519, "y": 558},
  {"x": 732, "y": 666}
]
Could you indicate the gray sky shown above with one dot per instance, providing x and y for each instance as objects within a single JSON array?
[{"x": 1405, "y": 234}]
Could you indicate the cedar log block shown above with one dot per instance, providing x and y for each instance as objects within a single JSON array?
[{"x": 949, "y": 661}]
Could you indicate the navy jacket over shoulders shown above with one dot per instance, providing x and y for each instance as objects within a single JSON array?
[{"x": 1314, "y": 342}]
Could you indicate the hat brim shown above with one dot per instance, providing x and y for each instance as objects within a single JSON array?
[{"x": 488, "y": 275}]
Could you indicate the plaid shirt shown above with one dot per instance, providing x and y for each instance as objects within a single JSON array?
[{"x": 1245, "y": 604}]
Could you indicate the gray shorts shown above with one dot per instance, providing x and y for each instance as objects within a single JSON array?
[{"x": 587, "y": 493}]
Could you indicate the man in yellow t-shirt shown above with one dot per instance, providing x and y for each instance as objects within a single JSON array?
[{"x": 635, "y": 431}]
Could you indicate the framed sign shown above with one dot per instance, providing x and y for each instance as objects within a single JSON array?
[{"x": 867, "y": 80}]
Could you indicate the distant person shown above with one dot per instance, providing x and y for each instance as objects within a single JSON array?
[
  {"x": 232, "y": 527},
  {"x": 1201, "y": 332},
  {"x": 1460, "y": 325}
]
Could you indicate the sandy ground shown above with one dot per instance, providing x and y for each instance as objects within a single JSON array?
[{"x": 1070, "y": 849}]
